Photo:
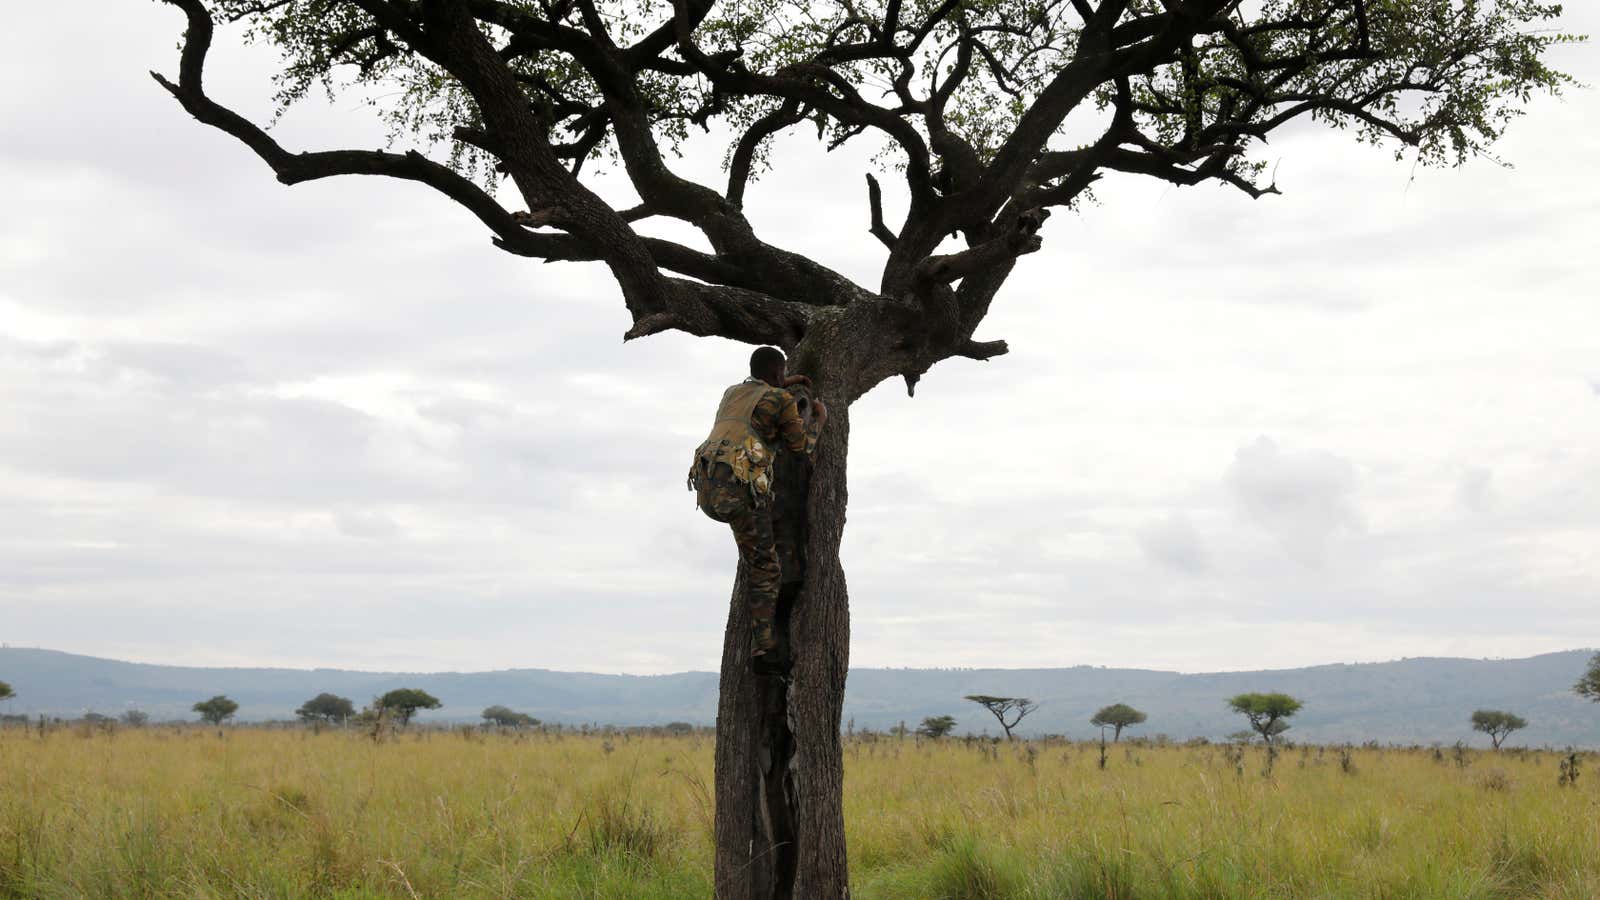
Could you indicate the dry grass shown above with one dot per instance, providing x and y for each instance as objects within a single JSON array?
[{"x": 165, "y": 812}]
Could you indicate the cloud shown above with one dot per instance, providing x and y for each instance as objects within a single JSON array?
[
  {"x": 1304, "y": 499},
  {"x": 1174, "y": 543},
  {"x": 1474, "y": 489},
  {"x": 371, "y": 525}
]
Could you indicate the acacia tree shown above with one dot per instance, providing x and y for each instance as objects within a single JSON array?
[
  {"x": 1497, "y": 724},
  {"x": 936, "y": 726},
  {"x": 506, "y": 717},
  {"x": 968, "y": 100},
  {"x": 1265, "y": 713},
  {"x": 1587, "y": 686},
  {"x": 1117, "y": 716},
  {"x": 326, "y": 707},
  {"x": 6, "y": 693},
  {"x": 217, "y": 710},
  {"x": 404, "y": 702},
  {"x": 1001, "y": 707}
]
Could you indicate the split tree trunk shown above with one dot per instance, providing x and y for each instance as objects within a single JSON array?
[{"x": 779, "y": 760}]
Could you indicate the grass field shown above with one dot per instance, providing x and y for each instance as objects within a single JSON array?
[{"x": 164, "y": 812}]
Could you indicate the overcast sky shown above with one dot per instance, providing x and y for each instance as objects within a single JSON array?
[{"x": 332, "y": 426}]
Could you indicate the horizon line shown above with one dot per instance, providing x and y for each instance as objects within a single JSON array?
[{"x": 271, "y": 668}]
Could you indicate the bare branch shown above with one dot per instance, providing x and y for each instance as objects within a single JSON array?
[
  {"x": 295, "y": 168},
  {"x": 788, "y": 114},
  {"x": 875, "y": 200},
  {"x": 1020, "y": 240}
]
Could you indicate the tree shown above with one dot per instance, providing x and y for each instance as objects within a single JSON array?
[
  {"x": 506, "y": 717},
  {"x": 966, "y": 102},
  {"x": 1117, "y": 716},
  {"x": 1266, "y": 712},
  {"x": 326, "y": 708},
  {"x": 1587, "y": 686},
  {"x": 216, "y": 710},
  {"x": 1497, "y": 724},
  {"x": 6, "y": 693},
  {"x": 135, "y": 718},
  {"x": 404, "y": 702},
  {"x": 936, "y": 726},
  {"x": 1000, "y": 707}
]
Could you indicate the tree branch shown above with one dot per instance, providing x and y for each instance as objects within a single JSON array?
[
  {"x": 295, "y": 168},
  {"x": 744, "y": 155},
  {"x": 1020, "y": 240},
  {"x": 875, "y": 200}
]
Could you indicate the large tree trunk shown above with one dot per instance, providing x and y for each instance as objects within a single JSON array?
[{"x": 779, "y": 760}]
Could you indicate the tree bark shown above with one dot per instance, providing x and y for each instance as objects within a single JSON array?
[{"x": 779, "y": 759}]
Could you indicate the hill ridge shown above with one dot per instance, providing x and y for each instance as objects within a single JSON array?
[{"x": 1410, "y": 700}]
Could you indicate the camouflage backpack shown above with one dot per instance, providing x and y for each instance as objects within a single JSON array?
[{"x": 734, "y": 441}]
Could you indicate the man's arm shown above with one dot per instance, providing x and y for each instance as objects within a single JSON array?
[{"x": 792, "y": 429}]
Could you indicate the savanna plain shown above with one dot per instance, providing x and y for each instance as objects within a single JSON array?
[{"x": 262, "y": 812}]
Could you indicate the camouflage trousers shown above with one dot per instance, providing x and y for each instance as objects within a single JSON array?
[{"x": 726, "y": 500}]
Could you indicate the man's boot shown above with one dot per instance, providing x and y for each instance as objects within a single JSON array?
[{"x": 763, "y": 641}]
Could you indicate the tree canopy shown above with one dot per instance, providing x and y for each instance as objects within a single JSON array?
[
  {"x": 1017, "y": 708},
  {"x": 1587, "y": 686},
  {"x": 404, "y": 702},
  {"x": 989, "y": 113},
  {"x": 1117, "y": 716},
  {"x": 1497, "y": 724},
  {"x": 1266, "y": 712},
  {"x": 216, "y": 710},
  {"x": 936, "y": 726},
  {"x": 6, "y": 693},
  {"x": 326, "y": 708},
  {"x": 506, "y": 717}
]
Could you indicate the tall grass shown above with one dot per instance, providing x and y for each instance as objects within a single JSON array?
[{"x": 269, "y": 813}]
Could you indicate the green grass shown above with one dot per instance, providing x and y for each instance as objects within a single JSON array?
[{"x": 282, "y": 813}]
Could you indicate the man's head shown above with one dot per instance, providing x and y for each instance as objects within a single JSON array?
[{"x": 768, "y": 364}]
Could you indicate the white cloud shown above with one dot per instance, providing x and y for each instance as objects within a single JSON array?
[
  {"x": 1475, "y": 489},
  {"x": 1302, "y": 498},
  {"x": 1173, "y": 542}
]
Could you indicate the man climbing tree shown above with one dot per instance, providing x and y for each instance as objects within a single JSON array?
[
  {"x": 733, "y": 480},
  {"x": 967, "y": 103}
]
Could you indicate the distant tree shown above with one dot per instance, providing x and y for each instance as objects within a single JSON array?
[
  {"x": 216, "y": 710},
  {"x": 94, "y": 718},
  {"x": 404, "y": 702},
  {"x": 1497, "y": 724},
  {"x": 508, "y": 718},
  {"x": 1117, "y": 716},
  {"x": 326, "y": 708},
  {"x": 6, "y": 693},
  {"x": 1266, "y": 712},
  {"x": 1000, "y": 707},
  {"x": 936, "y": 726},
  {"x": 1587, "y": 686},
  {"x": 135, "y": 718}
]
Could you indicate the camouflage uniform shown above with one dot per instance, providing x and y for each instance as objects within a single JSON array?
[{"x": 732, "y": 479}]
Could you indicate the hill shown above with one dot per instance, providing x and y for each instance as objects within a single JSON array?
[{"x": 1420, "y": 700}]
